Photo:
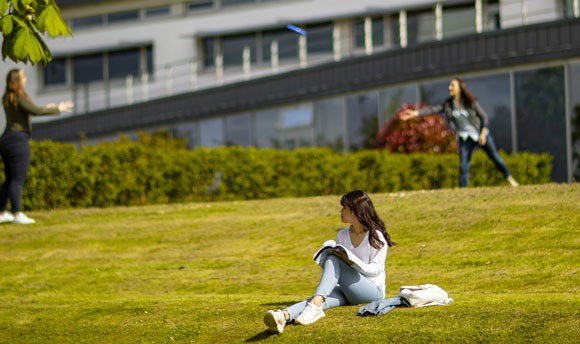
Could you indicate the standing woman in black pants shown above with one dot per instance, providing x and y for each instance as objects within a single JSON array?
[{"x": 14, "y": 143}]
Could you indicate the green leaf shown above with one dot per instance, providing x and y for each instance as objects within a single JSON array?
[
  {"x": 7, "y": 44},
  {"x": 6, "y": 25},
  {"x": 27, "y": 47},
  {"x": 3, "y": 6},
  {"x": 17, "y": 5},
  {"x": 49, "y": 20}
]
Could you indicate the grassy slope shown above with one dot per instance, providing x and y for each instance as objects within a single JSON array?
[{"x": 204, "y": 273}]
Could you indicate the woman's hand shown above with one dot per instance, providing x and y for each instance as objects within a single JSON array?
[
  {"x": 340, "y": 254},
  {"x": 65, "y": 106},
  {"x": 483, "y": 137},
  {"x": 409, "y": 114}
]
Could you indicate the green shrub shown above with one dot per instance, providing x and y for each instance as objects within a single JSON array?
[{"x": 149, "y": 172}]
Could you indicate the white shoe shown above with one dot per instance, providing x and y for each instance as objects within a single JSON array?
[
  {"x": 310, "y": 314},
  {"x": 512, "y": 181},
  {"x": 275, "y": 320},
  {"x": 22, "y": 219},
  {"x": 6, "y": 217}
]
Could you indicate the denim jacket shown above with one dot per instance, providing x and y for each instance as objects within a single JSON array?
[{"x": 477, "y": 115}]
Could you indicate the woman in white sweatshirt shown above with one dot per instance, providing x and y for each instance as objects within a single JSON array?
[{"x": 343, "y": 283}]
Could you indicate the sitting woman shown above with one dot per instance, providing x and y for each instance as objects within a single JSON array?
[{"x": 341, "y": 284}]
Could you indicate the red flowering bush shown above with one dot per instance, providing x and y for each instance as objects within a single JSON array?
[{"x": 427, "y": 134}]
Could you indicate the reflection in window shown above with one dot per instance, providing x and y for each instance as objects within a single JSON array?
[
  {"x": 319, "y": 39},
  {"x": 392, "y": 99},
  {"x": 569, "y": 8},
  {"x": 123, "y": 63},
  {"x": 394, "y": 31},
  {"x": 88, "y": 68},
  {"x": 434, "y": 92},
  {"x": 295, "y": 117},
  {"x": 208, "y": 51},
  {"x": 211, "y": 133},
  {"x": 541, "y": 115},
  {"x": 362, "y": 112},
  {"x": 265, "y": 129},
  {"x": 233, "y": 48},
  {"x": 120, "y": 17},
  {"x": 420, "y": 27},
  {"x": 238, "y": 130},
  {"x": 494, "y": 95},
  {"x": 55, "y": 72},
  {"x": 575, "y": 119},
  {"x": 330, "y": 121},
  {"x": 458, "y": 20},
  {"x": 188, "y": 131},
  {"x": 287, "y": 44}
]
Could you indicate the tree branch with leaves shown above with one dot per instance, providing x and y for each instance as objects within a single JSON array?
[{"x": 23, "y": 23}]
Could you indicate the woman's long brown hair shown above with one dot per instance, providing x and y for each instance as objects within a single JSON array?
[
  {"x": 362, "y": 207},
  {"x": 14, "y": 88},
  {"x": 466, "y": 94}
]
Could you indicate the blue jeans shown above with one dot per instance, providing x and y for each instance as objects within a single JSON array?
[
  {"x": 15, "y": 151},
  {"x": 466, "y": 148},
  {"x": 340, "y": 285}
]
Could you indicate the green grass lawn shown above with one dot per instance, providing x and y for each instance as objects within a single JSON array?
[{"x": 207, "y": 272}]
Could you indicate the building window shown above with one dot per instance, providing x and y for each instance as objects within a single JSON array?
[
  {"x": 239, "y": 130},
  {"x": 91, "y": 68},
  {"x": 420, "y": 27},
  {"x": 199, "y": 5},
  {"x": 228, "y": 3},
  {"x": 87, "y": 22},
  {"x": 88, "y": 68},
  {"x": 208, "y": 50},
  {"x": 493, "y": 18},
  {"x": 211, "y": 133},
  {"x": 121, "y": 17},
  {"x": 300, "y": 116},
  {"x": 363, "y": 121},
  {"x": 458, "y": 20},
  {"x": 287, "y": 44},
  {"x": 319, "y": 38},
  {"x": 123, "y": 63},
  {"x": 391, "y": 100},
  {"x": 378, "y": 32},
  {"x": 541, "y": 115},
  {"x": 154, "y": 12},
  {"x": 330, "y": 123},
  {"x": 233, "y": 48},
  {"x": 55, "y": 72}
]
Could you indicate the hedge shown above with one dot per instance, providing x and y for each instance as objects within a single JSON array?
[{"x": 132, "y": 173}]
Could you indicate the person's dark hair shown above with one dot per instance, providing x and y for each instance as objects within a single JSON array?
[
  {"x": 466, "y": 95},
  {"x": 14, "y": 88},
  {"x": 362, "y": 207}
]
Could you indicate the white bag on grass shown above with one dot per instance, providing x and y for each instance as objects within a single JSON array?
[{"x": 425, "y": 295}]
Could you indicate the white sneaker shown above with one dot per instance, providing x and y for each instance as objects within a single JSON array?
[
  {"x": 6, "y": 217},
  {"x": 310, "y": 314},
  {"x": 512, "y": 181},
  {"x": 275, "y": 321},
  {"x": 22, "y": 219}
]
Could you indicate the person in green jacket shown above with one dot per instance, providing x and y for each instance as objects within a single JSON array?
[{"x": 15, "y": 145}]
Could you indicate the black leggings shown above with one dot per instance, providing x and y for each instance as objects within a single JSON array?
[{"x": 15, "y": 151}]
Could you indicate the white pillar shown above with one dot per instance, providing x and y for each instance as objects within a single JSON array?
[
  {"x": 145, "y": 86},
  {"x": 129, "y": 88},
  {"x": 246, "y": 55},
  {"x": 403, "y": 28},
  {"x": 479, "y": 16},
  {"x": 524, "y": 12},
  {"x": 302, "y": 51},
  {"x": 438, "y": 21},
  {"x": 219, "y": 68},
  {"x": 169, "y": 80},
  {"x": 274, "y": 56},
  {"x": 193, "y": 75},
  {"x": 368, "y": 35},
  {"x": 336, "y": 42},
  {"x": 576, "y": 8}
]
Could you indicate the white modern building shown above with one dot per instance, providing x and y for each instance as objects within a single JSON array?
[{"x": 291, "y": 73}]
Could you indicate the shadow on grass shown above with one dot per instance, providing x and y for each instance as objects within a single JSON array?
[{"x": 261, "y": 336}]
